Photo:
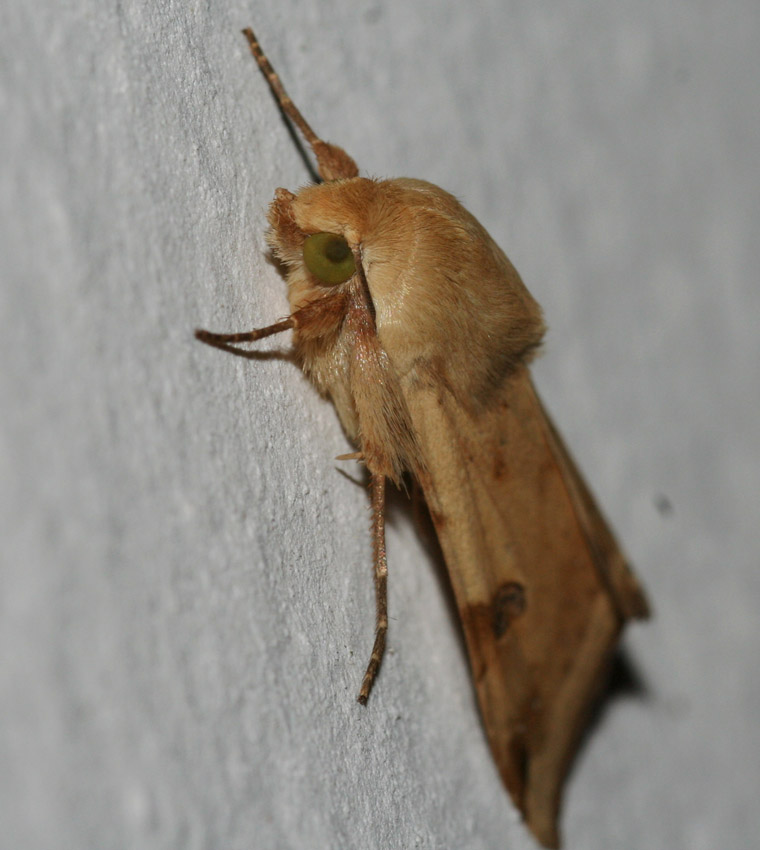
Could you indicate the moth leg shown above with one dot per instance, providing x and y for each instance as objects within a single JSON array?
[
  {"x": 380, "y": 563},
  {"x": 247, "y": 336},
  {"x": 351, "y": 456}
]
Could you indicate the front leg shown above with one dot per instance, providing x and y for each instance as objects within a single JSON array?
[
  {"x": 222, "y": 340},
  {"x": 380, "y": 564}
]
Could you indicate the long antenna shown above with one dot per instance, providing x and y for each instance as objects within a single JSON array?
[{"x": 333, "y": 163}]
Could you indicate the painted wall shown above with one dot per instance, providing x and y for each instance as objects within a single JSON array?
[{"x": 186, "y": 603}]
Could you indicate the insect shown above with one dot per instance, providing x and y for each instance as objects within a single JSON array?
[{"x": 409, "y": 317}]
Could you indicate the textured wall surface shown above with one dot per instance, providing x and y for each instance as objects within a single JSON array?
[{"x": 186, "y": 604}]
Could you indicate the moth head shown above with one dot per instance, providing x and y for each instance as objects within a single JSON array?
[
  {"x": 317, "y": 234},
  {"x": 442, "y": 294}
]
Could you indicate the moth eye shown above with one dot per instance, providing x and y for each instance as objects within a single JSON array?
[{"x": 328, "y": 257}]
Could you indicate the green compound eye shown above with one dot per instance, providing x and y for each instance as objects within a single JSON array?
[{"x": 328, "y": 257}]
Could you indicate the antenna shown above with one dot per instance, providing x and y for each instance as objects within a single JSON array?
[{"x": 333, "y": 163}]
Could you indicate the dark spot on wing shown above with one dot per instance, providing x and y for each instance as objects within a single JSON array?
[
  {"x": 508, "y": 603},
  {"x": 499, "y": 466}
]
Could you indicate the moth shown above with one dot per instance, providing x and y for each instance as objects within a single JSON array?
[{"x": 409, "y": 317}]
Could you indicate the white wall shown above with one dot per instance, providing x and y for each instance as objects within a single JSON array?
[{"x": 186, "y": 604}]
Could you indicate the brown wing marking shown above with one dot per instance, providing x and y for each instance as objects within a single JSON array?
[{"x": 539, "y": 618}]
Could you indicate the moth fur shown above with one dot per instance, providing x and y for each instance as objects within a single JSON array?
[{"x": 409, "y": 317}]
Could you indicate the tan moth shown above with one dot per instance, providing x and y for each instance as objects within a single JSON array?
[{"x": 414, "y": 323}]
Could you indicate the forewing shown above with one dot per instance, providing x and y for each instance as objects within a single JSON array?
[
  {"x": 613, "y": 567},
  {"x": 536, "y": 575}
]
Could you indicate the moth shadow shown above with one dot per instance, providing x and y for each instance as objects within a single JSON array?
[
  {"x": 298, "y": 143},
  {"x": 624, "y": 681}
]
